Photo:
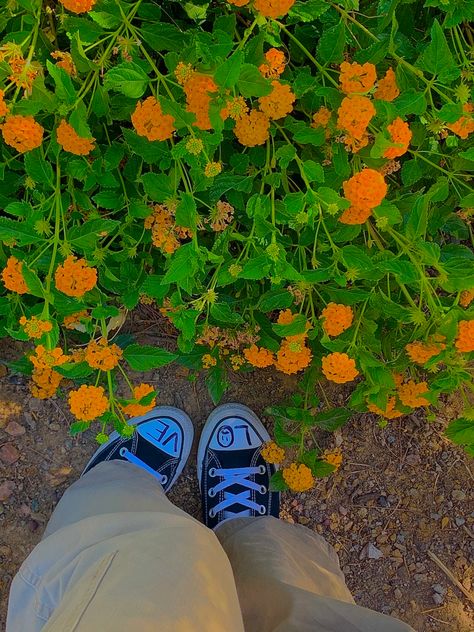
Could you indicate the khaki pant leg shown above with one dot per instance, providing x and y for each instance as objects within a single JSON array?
[
  {"x": 119, "y": 557},
  {"x": 288, "y": 580}
]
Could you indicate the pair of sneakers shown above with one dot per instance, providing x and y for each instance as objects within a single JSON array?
[{"x": 233, "y": 477}]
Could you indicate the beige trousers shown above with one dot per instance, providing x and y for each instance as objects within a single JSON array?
[{"x": 117, "y": 556}]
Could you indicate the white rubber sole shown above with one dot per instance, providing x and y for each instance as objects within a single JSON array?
[
  {"x": 216, "y": 417},
  {"x": 159, "y": 411}
]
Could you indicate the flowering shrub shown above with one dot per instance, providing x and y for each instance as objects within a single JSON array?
[{"x": 287, "y": 181}]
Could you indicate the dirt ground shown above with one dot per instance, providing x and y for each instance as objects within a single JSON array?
[{"x": 403, "y": 494}]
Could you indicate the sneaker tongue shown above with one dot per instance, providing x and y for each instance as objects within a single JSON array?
[{"x": 235, "y": 434}]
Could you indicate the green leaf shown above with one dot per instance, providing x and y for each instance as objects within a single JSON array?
[
  {"x": 186, "y": 214},
  {"x": 137, "y": 208},
  {"x": 314, "y": 172},
  {"x": 158, "y": 186},
  {"x": 86, "y": 235},
  {"x": 185, "y": 262},
  {"x": 217, "y": 383},
  {"x": 283, "y": 438},
  {"x": 410, "y": 102},
  {"x": 75, "y": 371},
  {"x": 297, "y": 326},
  {"x": 332, "y": 43},
  {"x": 19, "y": 209},
  {"x": 35, "y": 287},
  {"x": 277, "y": 482},
  {"x": 165, "y": 37},
  {"x": 437, "y": 58},
  {"x": 20, "y": 232},
  {"x": 37, "y": 168},
  {"x": 257, "y": 268},
  {"x": 411, "y": 172},
  {"x": 309, "y": 10},
  {"x": 145, "y": 357},
  {"x": 320, "y": 469},
  {"x": 127, "y": 78},
  {"x": 108, "y": 200},
  {"x": 227, "y": 74},
  {"x": 331, "y": 420},
  {"x": 222, "y": 313},
  {"x": 461, "y": 431},
  {"x": 251, "y": 83},
  {"x": 64, "y": 87},
  {"x": 78, "y": 426},
  {"x": 275, "y": 299},
  {"x": 151, "y": 151},
  {"x": 418, "y": 219}
]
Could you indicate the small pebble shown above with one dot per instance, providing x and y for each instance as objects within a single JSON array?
[
  {"x": 459, "y": 521},
  {"x": 441, "y": 590},
  {"x": 438, "y": 599}
]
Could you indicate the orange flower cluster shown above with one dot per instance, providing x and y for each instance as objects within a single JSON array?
[
  {"x": 274, "y": 64},
  {"x": 410, "y": 394},
  {"x": 293, "y": 355},
  {"x": 252, "y": 129},
  {"x": 22, "y": 132},
  {"x": 23, "y": 72},
  {"x": 279, "y": 102},
  {"x": 333, "y": 457},
  {"x": 322, "y": 117},
  {"x": 165, "y": 233},
  {"x": 464, "y": 125},
  {"x": 221, "y": 216},
  {"x": 74, "y": 277},
  {"x": 236, "y": 362},
  {"x": 88, "y": 402},
  {"x": 259, "y": 357},
  {"x": 45, "y": 380},
  {"x": 35, "y": 327},
  {"x": 466, "y": 298},
  {"x": 465, "y": 336},
  {"x": 234, "y": 108},
  {"x": 339, "y": 368},
  {"x": 73, "y": 320},
  {"x": 239, "y": 3},
  {"x": 78, "y": 6},
  {"x": 336, "y": 318},
  {"x": 12, "y": 276},
  {"x": 353, "y": 116},
  {"x": 100, "y": 355},
  {"x": 135, "y": 409},
  {"x": 149, "y": 121},
  {"x": 387, "y": 89},
  {"x": 390, "y": 411},
  {"x": 356, "y": 78},
  {"x": 365, "y": 190},
  {"x": 421, "y": 352},
  {"x": 401, "y": 135},
  {"x": 64, "y": 60},
  {"x": 299, "y": 478},
  {"x": 273, "y": 8},
  {"x": 198, "y": 89},
  {"x": 70, "y": 140},
  {"x": 272, "y": 453},
  {"x": 3, "y": 105}
]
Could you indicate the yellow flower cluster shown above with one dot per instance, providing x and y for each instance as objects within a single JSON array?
[
  {"x": 272, "y": 453},
  {"x": 298, "y": 477},
  {"x": 35, "y": 327},
  {"x": 88, "y": 402}
]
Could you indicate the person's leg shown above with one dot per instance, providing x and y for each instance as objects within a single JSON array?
[
  {"x": 118, "y": 556},
  {"x": 288, "y": 578}
]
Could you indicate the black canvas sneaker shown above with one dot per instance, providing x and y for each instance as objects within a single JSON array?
[
  {"x": 233, "y": 477},
  {"x": 160, "y": 445}
]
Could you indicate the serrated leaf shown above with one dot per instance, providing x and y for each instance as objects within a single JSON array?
[
  {"x": 158, "y": 186},
  {"x": 437, "y": 58},
  {"x": 461, "y": 431},
  {"x": 331, "y": 420},
  {"x": 332, "y": 43},
  {"x": 127, "y": 78},
  {"x": 145, "y": 357},
  {"x": 22, "y": 233},
  {"x": 251, "y": 83},
  {"x": 277, "y": 482},
  {"x": 227, "y": 74},
  {"x": 38, "y": 168}
]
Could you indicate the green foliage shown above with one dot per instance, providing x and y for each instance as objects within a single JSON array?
[{"x": 224, "y": 236}]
